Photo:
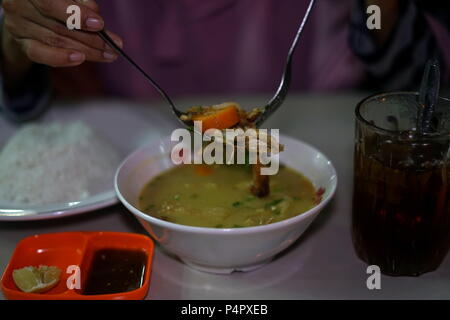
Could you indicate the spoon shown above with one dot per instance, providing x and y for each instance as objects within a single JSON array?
[
  {"x": 428, "y": 95},
  {"x": 283, "y": 89},
  {"x": 161, "y": 91}
]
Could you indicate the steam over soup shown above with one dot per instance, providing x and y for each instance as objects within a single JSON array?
[{"x": 218, "y": 196}]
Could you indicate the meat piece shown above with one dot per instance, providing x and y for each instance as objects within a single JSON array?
[{"x": 260, "y": 187}]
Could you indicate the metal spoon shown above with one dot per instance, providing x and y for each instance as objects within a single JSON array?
[
  {"x": 164, "y": 94},
  {"x": 283, "y": 89},
  {"x": 428, "y": 95}
]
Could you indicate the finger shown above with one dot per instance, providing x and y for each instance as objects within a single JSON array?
[
  {"x": 90, "y": 20},
  {"x": 88, "y": 38},
  {"x": 27, "y": 10},
  {"x": 30, "y": 30},
  {"x": 91, "y": 4},
  {"x": 117, "y": 40},
  {"x": 51, "y": 56}
]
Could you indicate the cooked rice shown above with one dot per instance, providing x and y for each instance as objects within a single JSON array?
[{"x": 54, "y": 163}]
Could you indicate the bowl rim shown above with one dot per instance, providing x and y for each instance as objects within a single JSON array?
[{"x": 221, "y": 231}]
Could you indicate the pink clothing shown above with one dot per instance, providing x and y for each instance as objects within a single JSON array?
[{"x": 228, "y": 46}]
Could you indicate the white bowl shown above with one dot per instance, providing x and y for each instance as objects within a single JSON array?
[{"x": 223, "y": 250}]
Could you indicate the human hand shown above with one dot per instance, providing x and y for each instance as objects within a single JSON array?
[{"x": 35, "y": 31}]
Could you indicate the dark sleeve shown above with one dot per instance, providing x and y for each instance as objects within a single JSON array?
[
  {"x": 440, "y": 10},
  {"x": 30, "y": 98},
  {"x": 398, "y": 65}
]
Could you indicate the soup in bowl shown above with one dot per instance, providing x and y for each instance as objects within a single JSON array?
[{"x": 205, "y": 214}]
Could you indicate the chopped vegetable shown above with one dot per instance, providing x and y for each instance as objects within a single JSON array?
[
  {"x": 319, "y": 194},
  {"x": 273, "y": 203},
  {"x": 237, "y": 204},
  {"x": 203, "y": 170},
  {"x": 223, "y": 117}
]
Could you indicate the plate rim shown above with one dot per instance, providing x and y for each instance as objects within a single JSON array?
[{"x": 109, "y": 198}]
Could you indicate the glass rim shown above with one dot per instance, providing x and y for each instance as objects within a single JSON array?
[{"x": 361, "y": 119}]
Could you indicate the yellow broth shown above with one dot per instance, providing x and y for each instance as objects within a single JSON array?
[{"x": 218, "y": 196}]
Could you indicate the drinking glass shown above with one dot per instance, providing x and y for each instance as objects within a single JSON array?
[{"x": 401, "y": 207}]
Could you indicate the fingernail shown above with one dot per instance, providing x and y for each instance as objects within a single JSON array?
[
  {"x": 76, "y": 57},
  {"x": 109, "y": 56},
  {"x": 94, "y": 23},
  {"x": 117, "y": 40},
  {"x": 119, "y": 43}
]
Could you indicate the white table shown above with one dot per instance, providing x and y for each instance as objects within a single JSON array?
[{"x": 321, "y": 265}]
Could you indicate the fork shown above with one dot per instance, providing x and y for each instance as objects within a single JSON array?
[{"x": 283, "y": 88}]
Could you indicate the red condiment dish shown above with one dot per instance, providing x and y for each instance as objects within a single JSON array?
[{"x": 74, "y": 248}]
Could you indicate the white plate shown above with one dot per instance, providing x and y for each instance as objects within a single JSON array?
[{"x": 125, "y": 125}]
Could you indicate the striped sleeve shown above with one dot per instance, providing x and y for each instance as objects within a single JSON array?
[{"x": 398, "y": 65}]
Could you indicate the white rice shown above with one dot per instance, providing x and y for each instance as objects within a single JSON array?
[{"x": 55, "y": 163}]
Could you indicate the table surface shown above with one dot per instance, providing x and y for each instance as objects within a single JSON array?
[{"x": 320, "y": 265}]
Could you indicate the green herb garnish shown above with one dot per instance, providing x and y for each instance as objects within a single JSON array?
[
  {"x": 273, "y": 203},
  {"x": 237, "y": 204}
]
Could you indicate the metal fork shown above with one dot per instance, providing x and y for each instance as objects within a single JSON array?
[{"x": 283, "y": 89}]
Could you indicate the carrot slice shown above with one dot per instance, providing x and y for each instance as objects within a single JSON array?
[
  {"x": 219, "y": 119},
  {"x": 203, "y": 170}
]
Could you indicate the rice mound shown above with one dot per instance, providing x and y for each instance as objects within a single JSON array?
[{"x": 54, "y": 163}]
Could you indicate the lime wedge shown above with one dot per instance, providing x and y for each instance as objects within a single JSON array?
[{"x": 36, "y": 280}]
